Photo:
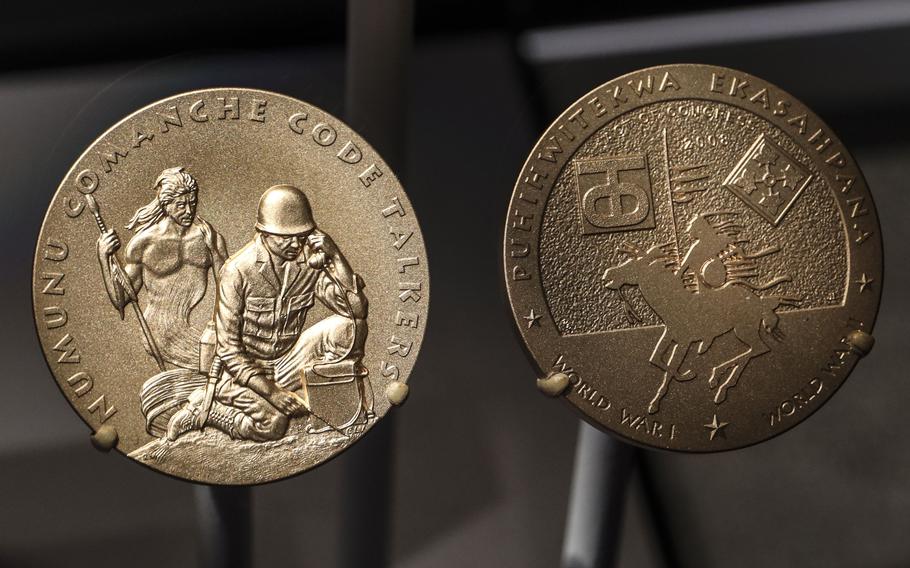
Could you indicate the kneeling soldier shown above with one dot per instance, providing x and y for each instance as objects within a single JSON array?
[{"x": 265, "y": 291}]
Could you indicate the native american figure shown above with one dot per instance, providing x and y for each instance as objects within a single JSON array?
[
  {"x": 707, "y": 293},
  {"x": 170, "y": 256}
]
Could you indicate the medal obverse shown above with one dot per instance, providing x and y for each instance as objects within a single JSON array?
[
  {"x": 693, "y": 259},
  {"x": 230, "y": 286}
]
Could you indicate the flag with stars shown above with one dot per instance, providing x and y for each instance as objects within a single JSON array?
[{"x": 768, "y": 179}]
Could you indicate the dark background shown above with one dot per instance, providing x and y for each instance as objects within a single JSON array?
[{"x": 482, "y": 475}]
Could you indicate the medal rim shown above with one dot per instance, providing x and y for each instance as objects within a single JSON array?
[
  {"x": 209, "y": 91},
  {"x": 537, "y": 293}
]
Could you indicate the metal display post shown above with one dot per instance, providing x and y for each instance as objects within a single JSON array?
[
  {"x": 379, "y": 41},
  {"x": 600, "y": 477},
  {"x": 225, "y": 526}
]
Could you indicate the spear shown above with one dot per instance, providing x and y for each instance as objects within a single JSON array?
[{"x": 119, "y": 276}]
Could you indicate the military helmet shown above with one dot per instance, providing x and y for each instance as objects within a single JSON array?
[{"x": 284, "y": 210}]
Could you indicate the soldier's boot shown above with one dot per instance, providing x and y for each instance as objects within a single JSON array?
[
  {"x": 183, "y": 421},
  {"x": 187, "y": 418},
  {"x": 228, "y": 420}
]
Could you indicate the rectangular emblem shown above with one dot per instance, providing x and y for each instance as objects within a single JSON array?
[
  {"x": 768, "y": 179},
  {"x": 614, "y": 194}
]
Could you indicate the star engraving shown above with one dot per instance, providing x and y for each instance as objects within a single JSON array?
[
  {"x": 716, "y": 428},
  {"x": 746, "y": 181},
  {"x": 533, "y": 319},
  {"x": 790, "y": 177},
  {"x": 772, "y": 200},
  {"x": 864, "y": 282},
  {"x": 765, "y": 155}
]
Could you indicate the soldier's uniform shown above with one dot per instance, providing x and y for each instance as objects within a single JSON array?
[
  {"x": 259, "y": 325},
  {"x": 263, "y": 300}
]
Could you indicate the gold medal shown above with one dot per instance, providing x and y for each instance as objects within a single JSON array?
[
  {"x": 230, "y": 286},
  {"x": 693, "y": 259}
]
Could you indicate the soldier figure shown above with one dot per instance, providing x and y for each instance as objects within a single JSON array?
[
  {"x": 265, "y": 292},
  {"x": 170, "y": 255}
]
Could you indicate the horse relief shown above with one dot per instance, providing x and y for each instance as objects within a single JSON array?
[{"x": 706, "y": 293}]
